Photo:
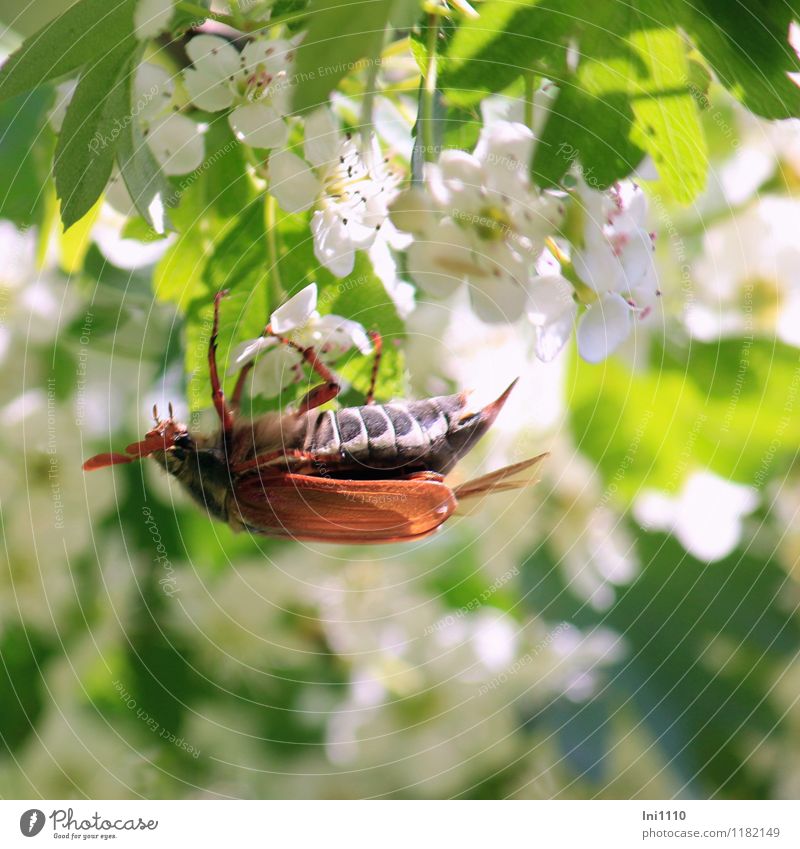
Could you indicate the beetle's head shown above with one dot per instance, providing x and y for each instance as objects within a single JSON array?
[{"x": 168, "y": 436}]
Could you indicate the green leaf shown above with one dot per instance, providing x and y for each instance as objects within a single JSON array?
[
  {"x": 593, "y": 127},
  {"x": 338, "y": 36},
  {"x": 629, "y": 96},
  {"x": 178, "y": 277},
  {"x": 239, "y": 260},
  {"x": 228, "y": 186},
  {"x": 665, "y": 112},
  {"x": 96, "y": 117},
  {"x": 137, "y": 228},
  {"x": 26, "y": 148},
  {"x": 292, "y": 11},
  {"x": 726, "y": 406},
  {"x": 747, "y": 47},
  {"x": 84, "y": 33},
  {"x": 239, "y": 263},
  {"x": 362, "y": 297},
  {"x": 487, "y": 54},
  {"x": 702, "y": 647},
  {"x": 147, "y": 184}
]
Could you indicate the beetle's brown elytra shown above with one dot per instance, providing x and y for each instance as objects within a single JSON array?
[{"x": 373, "y": 473}]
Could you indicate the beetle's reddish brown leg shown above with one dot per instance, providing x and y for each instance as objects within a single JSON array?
[
  {"x": 217, "y": 395},
  {"x": 236, "y": 398},
  {"x": 377, "y": 342},
  {"x": 273, "y": 458},
  {"x": 424, "y": 476},
  {"x": 319, "y": 394}
]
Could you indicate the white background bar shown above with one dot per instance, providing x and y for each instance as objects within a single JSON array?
[{"x": 403, "y": 825}]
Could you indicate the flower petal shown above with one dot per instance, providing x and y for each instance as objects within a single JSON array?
[
  {"x": 412, "y": 211},
  {"x": 322, "y": 138},
  {"x": 342, "y": 334},
  {"x": 598, "y": 267},
  {"x": 440, "y": 262},
  {"x": 215, "y": 57},
  {"x": 275, "y": 370},
  {"x": 385, "y": 266},
  {"x": 153, "y": 88},
  {"x": 272, "y": 55},
  {"x": 152, "y": 17},
  {"x": 177, "y": 143},
  {"x": 247, "y": 351},
  {"x": 498, "y": 299},
  {"x": 292, "y": 182},
  {"x": 333, "y": 246},
  {"x": 505, "y": 149},
  {"x": 604, "y": 327},
  {"x": 551, "y": 296},
  {"x": 296, "y": 311},
  {"x": 551, "y": 337},
  {"x": 638, "y": 262},
  {"x": 206, "y": 91},
  {"x": 258, "y": 125},
  {"x": 455, "y": 181}
]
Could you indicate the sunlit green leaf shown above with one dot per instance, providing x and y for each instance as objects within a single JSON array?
[
  {"x": 338, "y": 36},
  {"x": 86, "y": 32},
  {"x": 96, "y": 117},
  {"x": 717, "y": 406}
]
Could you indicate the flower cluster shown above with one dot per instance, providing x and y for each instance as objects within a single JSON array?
[
  {"x": 348, "y": 185},
  {"x": 478, "y": 220},
  {"x": 616, "y": 262},
  {"x": 472, "y": 220},
  {"x": 252, "y": 85}
]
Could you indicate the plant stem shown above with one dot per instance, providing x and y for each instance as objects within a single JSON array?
[
  {"x": 277, "y": 292},
  {"x": 429, "y": 92},
  {"x": 370, "y": 90},
  {"x": 529, "y": 81}
]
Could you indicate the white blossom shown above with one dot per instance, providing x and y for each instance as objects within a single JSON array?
[
  {"x": 478, "y": 220},
  {"x": 705, "y": 516},
  {"x": 299, "y": 321},
  {"x": 747, "y": 278},
  {"x": 616, "y": 262},
  {"x": 175, "y": 140},
  {"x": 348, "y": 186},
  {"x": 253, "y": 84}
]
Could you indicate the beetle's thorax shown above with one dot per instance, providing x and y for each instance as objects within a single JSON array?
[{"x": 203, "y": 473}]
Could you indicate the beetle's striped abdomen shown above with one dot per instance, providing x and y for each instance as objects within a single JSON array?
[{"x": 431, "y": 434}]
